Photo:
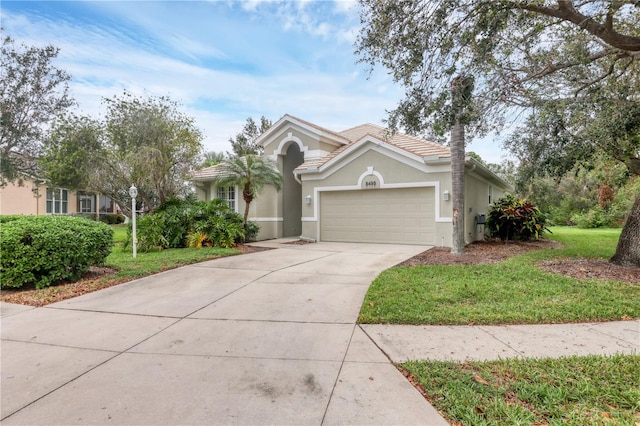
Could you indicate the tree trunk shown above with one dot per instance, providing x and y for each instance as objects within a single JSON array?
[
  {"x": 628, "y": 250},
  {"x": 457, "y": 187},
  {"x": 247, "y": 196}
]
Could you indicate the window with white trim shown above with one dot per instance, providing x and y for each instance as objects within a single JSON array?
[
  {"x": 57, "y": 201},
  {"x": 228, "y": 194},
  {"x": 490, "y": 194},
  {"x": 86, "y": 203}
]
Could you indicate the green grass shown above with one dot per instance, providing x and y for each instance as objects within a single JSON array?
[
  {"x": 591, "y": 390},
  {"x": 153, "y": 262},
  {"x": 510, "y": 292},
  {"x": 119, "y": 233}
]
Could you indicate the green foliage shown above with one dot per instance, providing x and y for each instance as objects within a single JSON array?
[
  {"x": 245, "y": 141},
  {"x": 511, "y": 218},
  {"x": 213, "y": 158},
  {"x": 525, "y": 53},
  {"x": 47, "y": 250},
  {"x": 250, "y": 173},
  {"x": 112, "y": 218},
  {"x": 190, "y": 223},
  {"x": 251, "y": 230},
  {"x": 595, "y": 217},
  {"x": 72, "y": 151},
  {"x": 32, "y": 92}
]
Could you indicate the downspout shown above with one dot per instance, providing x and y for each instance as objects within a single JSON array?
[{"x": 296, "y": 176}]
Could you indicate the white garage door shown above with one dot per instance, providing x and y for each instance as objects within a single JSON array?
[{"x": 401, "y": 216}]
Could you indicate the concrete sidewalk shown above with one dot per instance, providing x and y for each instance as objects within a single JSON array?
[
  {"x": 263, "y": 338},
  {"x": 460, "y": 343}
]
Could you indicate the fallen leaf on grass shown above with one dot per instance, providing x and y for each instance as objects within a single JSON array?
[{"x": 480, "y": 380}]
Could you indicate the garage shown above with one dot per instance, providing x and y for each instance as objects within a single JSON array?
[{"x": 398, "y": 216}]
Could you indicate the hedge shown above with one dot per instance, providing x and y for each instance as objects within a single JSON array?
[{"x": 47, "y": 250}]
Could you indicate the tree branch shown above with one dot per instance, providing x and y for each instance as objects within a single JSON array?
[{"x": 567, "y": 12}]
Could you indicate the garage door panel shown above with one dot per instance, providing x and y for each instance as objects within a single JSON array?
[{"x": 404, "y": 215}]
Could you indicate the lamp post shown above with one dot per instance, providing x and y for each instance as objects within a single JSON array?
[{"x": 133, "y": 191}]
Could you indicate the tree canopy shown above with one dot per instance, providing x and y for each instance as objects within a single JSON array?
[
  {"x": 521, "y": 53},
  {"x": 143, "y": 141},
  {"x": 244, "y": 142},
  {"x": 32, "y": 92}
]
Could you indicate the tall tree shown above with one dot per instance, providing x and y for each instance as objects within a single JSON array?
[
  {"x": 151, "y": 144},
  {"x": 523, "y": 54},
  {"x": 145, "y": 141},
  {"x": 250, "y": 173},
  {"x": 32, "y": 92},
  {"x": 72, "y": 151},
  {"x": 244, "y": 142}
]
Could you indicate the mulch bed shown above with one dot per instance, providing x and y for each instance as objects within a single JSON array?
[
  {"x": 492, "y": 251},
  {"x": 479, "y": 252}
]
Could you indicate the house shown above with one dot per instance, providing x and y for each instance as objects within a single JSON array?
[
  {"x": 359, "y": 185},
  {"x": 31, "y": 196}
]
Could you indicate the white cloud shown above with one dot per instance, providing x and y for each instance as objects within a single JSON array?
[{"x": 224, "y": 62}]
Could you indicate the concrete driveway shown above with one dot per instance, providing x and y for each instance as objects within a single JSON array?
[{"x": 263, "y": 338}]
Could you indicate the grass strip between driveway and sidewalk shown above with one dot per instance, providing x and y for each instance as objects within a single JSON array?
[
  {"x": 511, "y": 292},
  {"x": 592, "y": 390}
]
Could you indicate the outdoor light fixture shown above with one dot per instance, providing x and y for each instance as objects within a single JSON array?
[
  {"x": 445, "y": 195},
  {"x": 133, "y": 191},
  {"x": 307, "y": 199}
]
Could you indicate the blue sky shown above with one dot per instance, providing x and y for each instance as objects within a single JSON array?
[{"x": 223, "y": 61}]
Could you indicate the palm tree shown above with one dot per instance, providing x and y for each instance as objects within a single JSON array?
[
  {"x": 461, "y": 89},
  {"x": 250, "y": 173},
  {"x": 212, "y": 158}
]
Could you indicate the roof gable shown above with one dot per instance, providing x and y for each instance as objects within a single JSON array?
[{"x": 367, "y": 132}]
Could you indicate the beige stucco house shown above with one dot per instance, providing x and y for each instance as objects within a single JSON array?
[
  {"x": 29, "y": 196},
  {"x": 359, "y": 185}
]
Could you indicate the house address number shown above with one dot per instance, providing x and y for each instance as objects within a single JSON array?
[{"x": 370, "y": 184}]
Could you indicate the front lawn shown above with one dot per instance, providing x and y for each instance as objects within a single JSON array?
[
  {"x": 593, "y": 390},
  {"x": 515, "y": 291}
]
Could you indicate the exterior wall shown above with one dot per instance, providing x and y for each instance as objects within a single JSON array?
[
  {"x": 22, "y": 199},
  {"x": 390, "y": 170},
  {"x": 311, "y": 145},
  {"x": 25, "y": 199},
  {"x": 476, "y": 202}
]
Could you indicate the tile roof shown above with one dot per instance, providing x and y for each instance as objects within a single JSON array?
[
  {"x": 411, "y": 144},
  {"x": 211, "y": 172}
]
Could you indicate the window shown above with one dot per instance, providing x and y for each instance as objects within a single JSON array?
[
  {"x": 490, "y": 194},
  {"x": 86, "y": 203},
  {"x": 228, "y": 194},
  {"x": 106, "y": 204},
  {"x": 57, "y": 200}
]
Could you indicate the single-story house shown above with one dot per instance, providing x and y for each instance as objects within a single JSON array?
[
  {"x": 31, "y": 196},
  {"x": 359, "y": 185}
]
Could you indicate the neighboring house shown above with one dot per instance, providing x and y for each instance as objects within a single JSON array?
[
  {"x": 359, "y": 185},
  {"x": 30, "y": 196}
]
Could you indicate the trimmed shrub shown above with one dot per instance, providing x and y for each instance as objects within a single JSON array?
[
  {"x": 47, "y": 250},
  {"x": 511, "y": 218}
]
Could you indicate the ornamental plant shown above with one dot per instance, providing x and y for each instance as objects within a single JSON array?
[
  {"x": 47, "y": 250},
  {"x": 511, "y": 218}
]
